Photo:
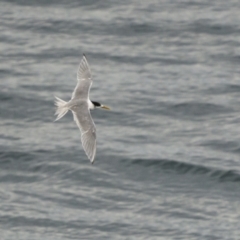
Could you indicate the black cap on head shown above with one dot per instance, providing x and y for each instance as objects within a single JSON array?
[{"x": 96, "y": 104}]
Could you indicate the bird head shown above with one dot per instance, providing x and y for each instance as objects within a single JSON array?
[{"x": 99, "y": 105}]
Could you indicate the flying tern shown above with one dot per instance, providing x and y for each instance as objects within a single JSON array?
[{"x": 80, "y": 105}]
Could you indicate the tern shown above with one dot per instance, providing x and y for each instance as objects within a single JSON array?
[{"x": 80, "y": 105}]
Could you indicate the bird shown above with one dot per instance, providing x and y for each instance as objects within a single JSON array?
[{"x": 80, "y": 106}]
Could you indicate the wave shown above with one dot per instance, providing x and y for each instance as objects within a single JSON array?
[
  {"x": 190, "y": 110},
  {"x": 28, "y": 161},
  {"x": 223, "y": 89},
  {"x": 27, "y": 106},
  {"x": 6, "y": 156},
  {"x": 221, "y": 175},
  {"x": 197, "y": 108},
  {"x": 211, "y": 28},
  {"x": 222, "y": 145}
]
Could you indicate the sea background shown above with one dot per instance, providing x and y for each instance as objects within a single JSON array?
[{"x": 168, "y": 155}]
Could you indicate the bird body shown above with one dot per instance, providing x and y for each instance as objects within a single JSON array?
[{"x": 80, "y": 105}]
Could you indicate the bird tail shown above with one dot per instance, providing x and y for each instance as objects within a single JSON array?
[{"x": 62, "y": 109}]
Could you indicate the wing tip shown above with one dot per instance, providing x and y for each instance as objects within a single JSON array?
[
  {"x": 84, "y": 62},
  {"x": 84, "y": 55},
  {"x": 93, "y": 158},
  {"x": 85, "y": 58}
]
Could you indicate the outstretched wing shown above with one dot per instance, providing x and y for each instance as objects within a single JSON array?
[
  {"x": 88, "y": 131},
  {"x": 84, "y": 80}
]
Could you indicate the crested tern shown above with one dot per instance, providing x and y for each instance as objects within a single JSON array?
[{"x": 80, "y": 105}]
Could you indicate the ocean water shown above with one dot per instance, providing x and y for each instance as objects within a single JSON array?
[{"x": 168, "y": 156}]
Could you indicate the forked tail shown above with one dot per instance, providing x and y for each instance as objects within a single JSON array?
[{"x": 62, "y": 109}]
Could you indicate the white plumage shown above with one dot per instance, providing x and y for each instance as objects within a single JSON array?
[{"x": 80, "y": 105}]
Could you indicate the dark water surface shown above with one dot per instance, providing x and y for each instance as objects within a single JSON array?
[{"x": 168, "y": 157}]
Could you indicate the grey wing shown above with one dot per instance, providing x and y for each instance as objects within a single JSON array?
[
  {"x": 84, "y": 80},
  {"x": 88, "y": 132}
]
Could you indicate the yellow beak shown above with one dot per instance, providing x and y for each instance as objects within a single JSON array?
[{"x": 105, "y": 107}]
